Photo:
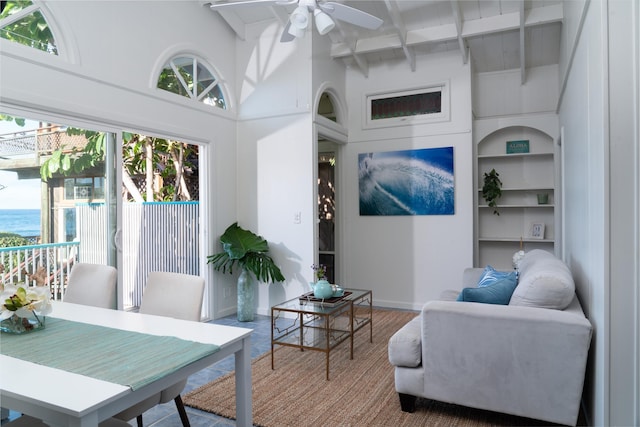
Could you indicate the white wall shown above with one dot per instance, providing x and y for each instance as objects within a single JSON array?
[
  {"x": 402, "y": 259},
  {"x": 599, "y": 114},
  {"x": 502, "y": 93},
  {"x": 408, "y": 260},
  {"x": 275, "y": 166}
]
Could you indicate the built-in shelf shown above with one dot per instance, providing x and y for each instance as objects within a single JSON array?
[
  {"x": 517, "y": 206},
  {"x": 514, "y": 239},
  {"x": 524, "y": 176},
  {"x": 514, "y": 156},
  {"x": 529, "y": 189}
]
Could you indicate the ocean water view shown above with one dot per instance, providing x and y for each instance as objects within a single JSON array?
[{"x": 25, "y": 222}]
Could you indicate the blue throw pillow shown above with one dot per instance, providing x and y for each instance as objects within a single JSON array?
[
  {"x": 490, "y": 276},
  {"x": 498, "y": 293}
]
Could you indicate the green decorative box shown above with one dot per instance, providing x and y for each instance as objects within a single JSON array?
[{"x": 520, "y": 146}]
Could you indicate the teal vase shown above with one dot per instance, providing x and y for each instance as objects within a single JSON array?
[
  {"x": 245, "y": 297},
  {"x": 322, "y": 289}
]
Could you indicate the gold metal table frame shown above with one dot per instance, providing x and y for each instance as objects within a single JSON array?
[{"x": 318, "y": 326}]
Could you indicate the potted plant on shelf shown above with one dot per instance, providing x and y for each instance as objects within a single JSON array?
[
  {"x": 249, "y": 252},
  {"x": 492, "y": 189}
]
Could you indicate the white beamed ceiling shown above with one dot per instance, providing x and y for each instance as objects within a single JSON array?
[{"x": 495, "y": 34}]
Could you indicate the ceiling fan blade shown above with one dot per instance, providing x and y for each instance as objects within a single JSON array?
[
  {"x": 247, "y": 3},
  {"x": 351, "y": 15},
  {"x": 286, "y": 36}
]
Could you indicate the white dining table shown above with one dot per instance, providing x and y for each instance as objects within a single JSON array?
[{"x": 66, "y": 399}]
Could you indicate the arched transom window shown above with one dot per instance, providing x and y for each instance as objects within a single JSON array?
[
  {"x": 22, "y": 22},
  {"x": 188, "y": 76}
]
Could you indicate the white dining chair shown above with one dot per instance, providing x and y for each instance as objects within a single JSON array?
[
  {"x": 92, "y": 284},
  {"x": 171, "y": 295}
]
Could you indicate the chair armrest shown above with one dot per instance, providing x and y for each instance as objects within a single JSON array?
[{"x": 405, "y": 346}]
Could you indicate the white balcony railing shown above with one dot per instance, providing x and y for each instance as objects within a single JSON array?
[
  {"x": 50, "y": 263},
  {"x": 156, "y": 236}
]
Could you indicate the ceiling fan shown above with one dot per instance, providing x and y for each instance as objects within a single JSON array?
[{"x": 325, "y": 14}]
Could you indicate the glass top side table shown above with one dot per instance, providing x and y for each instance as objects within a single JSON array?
[{"x": 319, "y": 326}]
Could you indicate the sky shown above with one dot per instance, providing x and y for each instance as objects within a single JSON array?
[{"x": 18, "y": 194}]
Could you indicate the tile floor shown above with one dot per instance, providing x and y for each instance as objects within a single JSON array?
[{"x": 166, "y": 415}]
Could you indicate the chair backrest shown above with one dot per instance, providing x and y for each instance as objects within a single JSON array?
[
  {"x": 92, "y": 284},
  {"x": 174, "y": 295}
]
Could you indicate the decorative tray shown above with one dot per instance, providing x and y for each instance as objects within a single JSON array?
[{"x": 308, "y": 297}]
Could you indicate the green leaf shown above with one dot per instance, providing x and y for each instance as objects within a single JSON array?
[
  {"x": 491, "y": 190},
  {"x": 237, "y": 242},
  {"x": 44, "y": 171},
  {"x": 247, "y": 250},
  {"x": 66, "y": 164},
  {"x": 53, "y": 165},
  {"x": 100, "y": 141},
  {"x": 77, "y": 167}
]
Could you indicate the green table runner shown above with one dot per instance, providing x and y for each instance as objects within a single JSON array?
[{"x": 127, "y": 358}]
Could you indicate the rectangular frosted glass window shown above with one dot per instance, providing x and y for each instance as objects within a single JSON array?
[{"x": 407, "y": 105}]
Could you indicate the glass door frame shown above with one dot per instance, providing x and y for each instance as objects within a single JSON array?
[
  {"x": 113, "y": 199},
  {"x": 335, "y": 134},
  {"x": 110, "y": 170}
]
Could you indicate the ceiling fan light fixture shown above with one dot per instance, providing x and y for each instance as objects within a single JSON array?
[
  {"x": 295, "y": 31},
  {"x": 300, "y": 18},
  {"x": 324, "y": 23}
]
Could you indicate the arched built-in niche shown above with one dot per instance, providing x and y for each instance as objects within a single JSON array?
[{"x": 525, "y": 159}]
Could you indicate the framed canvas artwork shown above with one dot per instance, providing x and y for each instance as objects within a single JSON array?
[{"x": 408, "y": 182}]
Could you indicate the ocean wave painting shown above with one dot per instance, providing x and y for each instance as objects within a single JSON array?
[{"x": 409, "y": 182}]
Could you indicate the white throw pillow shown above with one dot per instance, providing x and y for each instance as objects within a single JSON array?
[{"x": 545, "y": 281}]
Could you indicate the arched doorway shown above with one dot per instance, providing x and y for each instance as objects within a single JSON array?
[{"x": 330, "y": 137}]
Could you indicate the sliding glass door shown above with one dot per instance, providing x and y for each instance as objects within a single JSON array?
[
  {"x": 74, "y": 194},
  {"x": 160, "y": 211},
  {"x": 58, "y": 200}
]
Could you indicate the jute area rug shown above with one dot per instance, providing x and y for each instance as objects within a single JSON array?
[{"x": 360, "y": 392}]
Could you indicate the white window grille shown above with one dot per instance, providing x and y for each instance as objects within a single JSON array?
[
  {"x": 192, "y": 78},
  {"x": 23, "y": 22}
]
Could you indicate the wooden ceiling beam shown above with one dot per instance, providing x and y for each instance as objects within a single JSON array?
[
  {"x": 235, "y": 23},
  {"x": 401, "y": 29},
  {"x": 448, "y": 32},
  {"x": 351, "y": 45},
  {"x": 457, "y": 18}
]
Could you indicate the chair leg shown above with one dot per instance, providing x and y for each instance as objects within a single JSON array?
[
  {"x": 407, "y": 402},
  {"x": 182, "y": 411},
  {"x": 139, "y": 420}
]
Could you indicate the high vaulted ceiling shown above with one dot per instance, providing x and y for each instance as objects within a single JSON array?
[{"x": 494, "y": 34}]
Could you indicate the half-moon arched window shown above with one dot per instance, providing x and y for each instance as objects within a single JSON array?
[
  {"x": 23, "y": 22},
  {"x": 190, "y": 77}
]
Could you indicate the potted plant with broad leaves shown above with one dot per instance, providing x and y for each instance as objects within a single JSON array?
[
  {"x": 492, "y": 189},
  {"x": 248, "y": 251}
]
